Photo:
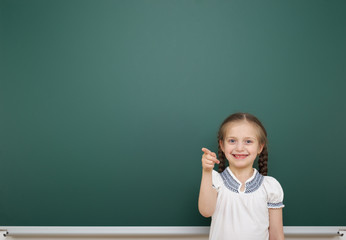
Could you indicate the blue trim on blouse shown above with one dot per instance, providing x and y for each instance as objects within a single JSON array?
[
  {"x": 255, "y": 183},
  {"x": 229, "y": 181},
  {"x": 233, "y": 185},
  {"x": 275, "y": 205}
]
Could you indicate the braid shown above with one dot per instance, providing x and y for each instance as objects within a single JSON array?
[
  {"x": 263, "y": 161},
  {"x": 222, "y": 158}
]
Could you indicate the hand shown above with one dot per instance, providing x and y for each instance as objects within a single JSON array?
[{"x": 208, "y": 160}]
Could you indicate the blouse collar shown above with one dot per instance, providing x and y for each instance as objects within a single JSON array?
[{"x": 233, "y": 184}]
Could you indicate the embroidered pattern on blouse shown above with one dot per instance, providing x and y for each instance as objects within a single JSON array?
[
  {"x": 254, "y": 184},
  {"x": 275, "y": 205},
  {"x": 233, "y": 185},
  {"x": 229, "y": 181}
]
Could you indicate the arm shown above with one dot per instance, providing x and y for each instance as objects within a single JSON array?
[
  {"x": 276, "y": 231},
  {"x": 207, "y": 194}
]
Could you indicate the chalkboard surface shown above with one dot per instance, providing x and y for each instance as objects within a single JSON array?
[{"x": 105, "y": 106}]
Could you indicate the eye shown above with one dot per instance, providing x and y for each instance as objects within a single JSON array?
[
  {"x": 231, "y": 141},
  {"x": 248, "y": 141}
]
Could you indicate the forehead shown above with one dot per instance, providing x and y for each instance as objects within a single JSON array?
[{"x": 241, "y": 129}]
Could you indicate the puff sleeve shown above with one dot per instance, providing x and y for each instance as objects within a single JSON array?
[
  {"x": 275, "y": 194},
  {"x": 217, "y": 180}
]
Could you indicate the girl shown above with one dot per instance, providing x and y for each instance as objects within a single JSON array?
[{"x": 244, "y": 203}]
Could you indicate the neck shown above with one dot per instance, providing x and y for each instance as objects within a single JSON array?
[{"x": 242, "y": 174}]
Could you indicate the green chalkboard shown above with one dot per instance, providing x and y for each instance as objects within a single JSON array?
[{"x": 105, "y": 106}]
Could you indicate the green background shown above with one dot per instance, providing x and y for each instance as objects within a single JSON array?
[{"x": 105, "y": 106}]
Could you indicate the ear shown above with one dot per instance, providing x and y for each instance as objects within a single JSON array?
[
  {"x": 260, "y": 149},
  {"x": 221, "y": 145}
]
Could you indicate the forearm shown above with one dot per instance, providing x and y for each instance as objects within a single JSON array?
[
  {"x": 276, "y": 230},
  {"x": 279, "y": 236},
  {"x": 207, "y": 195}
]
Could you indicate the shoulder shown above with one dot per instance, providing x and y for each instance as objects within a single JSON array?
[
  {"x": 272, "y": 185},
  {"x": 216, "y": 176},
  {"x": 271, "y": 182}
]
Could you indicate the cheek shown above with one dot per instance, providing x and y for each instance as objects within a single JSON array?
[
  {"x": 253, "y": 150},
  {"x": 228, "y": 149},
  {"x": 258, "y": 151}
]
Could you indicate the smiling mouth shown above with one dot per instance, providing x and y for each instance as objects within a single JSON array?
[{"x": 239, "y": 156}]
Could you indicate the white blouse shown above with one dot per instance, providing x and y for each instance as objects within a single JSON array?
[{"x": 244, "y": 215}]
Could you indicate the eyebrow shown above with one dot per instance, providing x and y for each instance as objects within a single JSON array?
[{"x": 244, "y": 138}]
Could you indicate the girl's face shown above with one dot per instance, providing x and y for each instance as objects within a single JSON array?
[{"x": 241, "y": 144}]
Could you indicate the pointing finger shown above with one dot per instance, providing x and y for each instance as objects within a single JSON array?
[{"x": 206, "y": 150}]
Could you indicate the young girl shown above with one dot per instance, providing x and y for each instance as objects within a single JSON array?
[{"x": 245, "y": 204}]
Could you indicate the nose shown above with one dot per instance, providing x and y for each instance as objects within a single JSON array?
[{"x": 239, "y": 146}]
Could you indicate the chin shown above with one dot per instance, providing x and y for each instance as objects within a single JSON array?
[{"x": 239, "y": 164}]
